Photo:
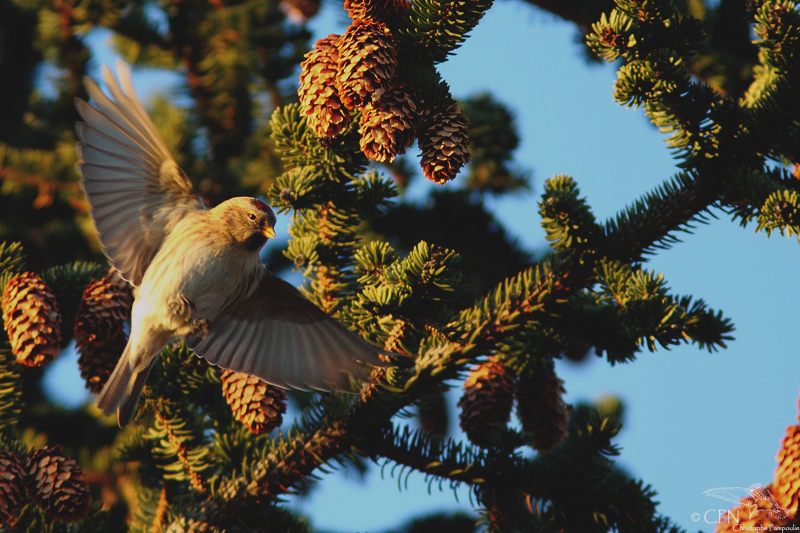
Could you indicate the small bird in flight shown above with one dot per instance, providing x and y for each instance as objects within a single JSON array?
[{"x": 196, "y": 272}]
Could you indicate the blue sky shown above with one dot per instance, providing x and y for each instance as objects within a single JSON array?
[{"x": 695, "y": 421}]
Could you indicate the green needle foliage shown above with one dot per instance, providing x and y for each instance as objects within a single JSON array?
[{"x": 440, "y": 282}]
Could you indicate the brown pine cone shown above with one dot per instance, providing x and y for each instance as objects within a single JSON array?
[
  {"x": 541, "y": 410},
  {"x": 319, "y": 97},
  {"x": 386, "y": 11},
  {"x": 102, "y": 312},
  {"x": 444, "y": 144},
  {"x": 388, "y": 126},
  {"x": 31, "y": 319},
  {"x": 787, "y": 474},
  {"x": 57, "y": 484},
  {"x": 12, "y": 485},
  {"x": 367, "y": 60},
  {"x": 96, "y": 363},
  {"x": 487, "y": 400},
  {"x": 99, "y": 328},
  {"x": 256, "y": 404}
]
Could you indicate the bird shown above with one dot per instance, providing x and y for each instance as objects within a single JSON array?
[{"x": 196, "y": 272}]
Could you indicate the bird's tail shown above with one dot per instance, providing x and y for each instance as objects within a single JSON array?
[{"x": 122, "y": 390}]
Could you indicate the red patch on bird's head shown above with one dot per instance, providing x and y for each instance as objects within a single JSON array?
[
  {"x": 261, "y": 206},
  {"x": 264, "y": 208}
]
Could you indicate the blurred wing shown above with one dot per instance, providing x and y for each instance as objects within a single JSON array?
[
  {"x": 730, "y": 494},
  {"x": 279, "y": 336},
  {"x": 136, "y": 190}
]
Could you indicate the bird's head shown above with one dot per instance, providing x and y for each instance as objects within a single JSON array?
[{"x": 247, "y": 221}]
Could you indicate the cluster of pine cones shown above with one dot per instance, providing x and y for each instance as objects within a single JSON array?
[
  {"x": 33, "y": 323},
  {"x": 54, "y": 482},
  {"x": 354, "y": 71},
  {"x": 489, "y": 394}
]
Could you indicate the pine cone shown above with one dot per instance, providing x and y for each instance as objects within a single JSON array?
[
  {"x": 57, "y": 484},
  {"x": 541, "y": 410},
  {"x": 367, "y": 60},
  {"x": 386, "y": 11},
  {"x": 104, "y": 308},
  {"x": 444, "y": 144},
  {"x": 389, "y": 125},
  {"x": 256, "y": 404},
  {"x": 31, "y": 319},
  {"x": 787, "y": 474},
  {"x": 487, "y": 400},
  {"x": 99, "y": 328},
  {"x": 12, "y": 485},
  {"x": 96, "y": 363},
  {"x": 319, "y": 97}
]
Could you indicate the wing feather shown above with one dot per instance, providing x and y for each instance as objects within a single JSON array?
[
  {"x": 137, "y": 115},
  {"x": 251, "y": 346},
  {"x": 109, "y": 161},
  {"x": 279, "y": 336},
  {"x": 135, "y": 189},
  {"x": 112, "y": 212},
  {"x": 288, "y": 363},
  {"x": 92, "y": 137},
  {"x": 316, "y": 369},
  {"x": 100, "y": 122},
  {"x": 120, "y": 118}
]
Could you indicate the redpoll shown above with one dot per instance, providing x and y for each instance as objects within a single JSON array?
[{"x": 196, "y": 271}]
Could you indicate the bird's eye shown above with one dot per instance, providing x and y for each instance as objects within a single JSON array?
[{"x": 252, "y": 216}]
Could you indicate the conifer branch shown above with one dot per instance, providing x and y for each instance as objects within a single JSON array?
[
  {"x": 177, "y": 442},
  {"x": 447, "y": 460},
  {"x": 160, "y": 515},
  {"x": 651, "y": 221}
]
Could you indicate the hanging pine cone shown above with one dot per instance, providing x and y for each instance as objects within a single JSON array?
[
  {"x": 541, "y": 410},
  {"x": 444, "y": 144},
  {"x": 367, "y": 60},
  {"x": 57, "y": 484},
  {"x": 388, "y": 126},
  {"x": 256, "y": 404},
  {"x": 319, "y": 97},
  {"x": 386, "y": 11},
  {"x": 99, "y": 334},
  {"x": 96, "y": 363},
  {"x": 31, "y": 319},
  {"x": 12, "y": 485},
  {"x": 487, "y": 400},
  {"x": 102, "y": 312},
  {"x": 787, "y": 474}
]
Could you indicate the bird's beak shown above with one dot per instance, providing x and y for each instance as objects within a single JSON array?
[{"x": 269, "y": 232}]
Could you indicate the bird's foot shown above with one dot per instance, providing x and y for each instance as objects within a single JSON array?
[
  {"x": 199, "y": 328},
  {"x": 182, "y": 307}
]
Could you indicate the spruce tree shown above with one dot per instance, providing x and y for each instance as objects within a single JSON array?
[{"x": 320, "y": 129}]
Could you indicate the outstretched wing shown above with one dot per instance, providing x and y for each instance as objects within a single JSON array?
[
  {"x": 279, "y": 336},
  {"x": 136, "y": 190},
  {"x": 729, "y": 494}
]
